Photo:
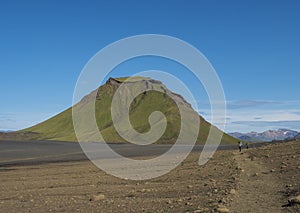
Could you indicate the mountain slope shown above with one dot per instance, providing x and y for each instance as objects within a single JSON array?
[{"x": 60, "y": 127}]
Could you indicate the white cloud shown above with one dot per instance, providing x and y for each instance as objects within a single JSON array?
[{"x": 260, "y": 115}]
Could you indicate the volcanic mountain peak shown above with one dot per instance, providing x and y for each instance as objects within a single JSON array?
[{"x": 153, "y": 96}]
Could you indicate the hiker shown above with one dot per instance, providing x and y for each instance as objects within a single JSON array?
[
  {"x": 247, "y": 146},
  {"x": 240, "y": 146}
]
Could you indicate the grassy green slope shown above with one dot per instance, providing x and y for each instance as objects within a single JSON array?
[{"x": 60, "y": 127}]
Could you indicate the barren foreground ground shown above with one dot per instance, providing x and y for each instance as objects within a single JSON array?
[{"x": 256, "y": 180}]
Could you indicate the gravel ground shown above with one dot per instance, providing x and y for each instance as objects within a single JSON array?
[{"x": 221, "y": 185}]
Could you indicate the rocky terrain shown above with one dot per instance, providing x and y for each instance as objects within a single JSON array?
[{"x": 262, "y": 179}]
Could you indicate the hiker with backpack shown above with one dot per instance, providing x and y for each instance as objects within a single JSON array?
[{"x": 240, "y": 145}]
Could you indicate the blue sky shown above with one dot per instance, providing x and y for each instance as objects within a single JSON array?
[{"x": 254, "y": 47}]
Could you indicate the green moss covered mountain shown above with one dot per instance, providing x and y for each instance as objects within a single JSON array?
[{"x": 60, "y": 127}]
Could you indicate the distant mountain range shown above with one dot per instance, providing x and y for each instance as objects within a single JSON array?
[
  {"x": 5, "y": 131},
  {"x": 270, "y": 135}
]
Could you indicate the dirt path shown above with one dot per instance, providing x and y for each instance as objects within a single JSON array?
[{"x": 257, "y": 189}]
